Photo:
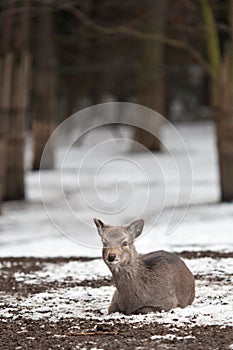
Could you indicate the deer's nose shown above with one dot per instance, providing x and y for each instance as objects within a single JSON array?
[{"x": 111, "y": 257}]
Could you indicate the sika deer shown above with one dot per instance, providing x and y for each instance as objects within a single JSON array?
[{"x": 152, "y": 282}]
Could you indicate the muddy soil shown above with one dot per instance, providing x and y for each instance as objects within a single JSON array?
[{"x": 86, "y": 334}]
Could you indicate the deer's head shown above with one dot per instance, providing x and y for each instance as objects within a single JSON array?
[{"x": 118, "y": 248}]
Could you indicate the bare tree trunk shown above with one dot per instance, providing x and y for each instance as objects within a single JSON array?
[
  {"x": 14, "y": 81},
  {"x": 223, "y": 109},
  {"x": 225, "y": 151},
  {"x": 43, "y": 87},
  {"x": 16, "y": 134},
  {"x": 221, "y": 95},
  {"x": 18, "y": 103},
  {"x": 151, "y": 75},
  {"x": 6, "y": 68},
  {"x": 5, "y": 89},
  {"x": 225, "y": 122},
  {"x": 6, "y": 82}
]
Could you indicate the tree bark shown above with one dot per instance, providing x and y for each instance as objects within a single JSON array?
[
  {"x": 223, "y": 109},
  {"x": 6, "y": 68},
  {"x": 18, "y": 102},
  {"x": 221, "y": 95},
  {"x": 225, "y": 151},
  {"x": 151, "y": 74},
  {"x": 43, "y": 106},
  {"x": 14, "y": 184},
  {"x": 5, "y": 88}
]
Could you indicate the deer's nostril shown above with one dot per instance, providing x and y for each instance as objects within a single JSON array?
[{"x": 111, "y": 257}]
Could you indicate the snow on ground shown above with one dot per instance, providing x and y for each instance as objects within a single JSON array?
[
  {"x": 26, "y": 230},
  {"x": 80, "y": 271},
  {"x": 212, "y": 305},
  {"x": 92, "y": 270}
]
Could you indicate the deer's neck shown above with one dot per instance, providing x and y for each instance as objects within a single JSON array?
[{"x": 127, "y": 277}]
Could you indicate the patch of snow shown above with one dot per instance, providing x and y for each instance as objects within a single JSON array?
[
  {"x": 171, "y": 337},
  {"x": 75, "y": 270},
  {"x": 77, "y": 302},
  {"x": 212, "y": 306},
  {"x": 94, "y": 269},
  {"x": 215, "y": 267}
]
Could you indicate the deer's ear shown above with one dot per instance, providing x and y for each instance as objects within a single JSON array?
[
  {"x": 135, "y": 229},
  {"x": 100, "y": 226}
]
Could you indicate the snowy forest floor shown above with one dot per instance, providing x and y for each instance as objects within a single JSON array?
[
  {"x": 54, "y": 293},
  {"x": 61, "y": 303}
]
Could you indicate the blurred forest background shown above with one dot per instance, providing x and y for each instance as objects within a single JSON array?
[{"x": 59, "y": 56}]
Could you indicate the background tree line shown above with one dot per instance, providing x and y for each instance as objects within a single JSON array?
[{"x": 57, "y": 57}]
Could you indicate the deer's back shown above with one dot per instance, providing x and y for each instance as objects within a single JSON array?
[
  {"x": 155, "y": 259},
  {"x": 167, "y": 269}
]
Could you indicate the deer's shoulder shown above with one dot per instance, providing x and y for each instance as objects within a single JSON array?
[{"x": 159, "y": 257}]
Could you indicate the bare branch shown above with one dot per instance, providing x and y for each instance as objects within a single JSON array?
[
  {"x": 70, "y": 6},
  {"x": 127, "y": 31}
]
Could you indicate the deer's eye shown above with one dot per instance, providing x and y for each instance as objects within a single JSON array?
[{"x": 124, "y": 244}]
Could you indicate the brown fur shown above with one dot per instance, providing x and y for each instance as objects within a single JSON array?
[{"x": 153, "y": 282}]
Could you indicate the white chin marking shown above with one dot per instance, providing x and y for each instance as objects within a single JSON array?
[{"x": 114, "y": 262}]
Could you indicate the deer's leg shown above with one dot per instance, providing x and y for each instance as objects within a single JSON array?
[{"x": 116, "y": 304}]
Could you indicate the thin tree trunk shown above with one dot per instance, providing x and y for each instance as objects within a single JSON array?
[
  {"x": 151, "y": 75},
  {"x": 14, "y": 184},
  {"x": 6, "y": 68},
  {"x": 43, "y": 88},
  {"x": 224, "y": 118},
  {"x": 225, "y": 151},
  {"x": 221, "y": 96},
  {"x": 5, "y": 89},
  {"x": 5, "y": 106},
  {"x": 18, "y": 105}
]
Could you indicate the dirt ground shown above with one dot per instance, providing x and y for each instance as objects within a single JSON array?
[{"x": 23, "y": 333}]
